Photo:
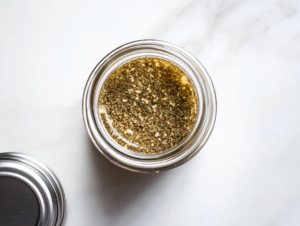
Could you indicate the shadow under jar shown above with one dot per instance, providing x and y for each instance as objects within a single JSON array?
[{"x": 143, "y": 160}]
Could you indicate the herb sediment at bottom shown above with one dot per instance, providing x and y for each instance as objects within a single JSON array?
[{"x": 148, "y": 105}]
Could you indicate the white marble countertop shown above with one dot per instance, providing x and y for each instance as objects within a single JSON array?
[{"x": 249, "y": 171}]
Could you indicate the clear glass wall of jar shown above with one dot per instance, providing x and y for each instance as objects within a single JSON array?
[{"x": 206, "y": 97}]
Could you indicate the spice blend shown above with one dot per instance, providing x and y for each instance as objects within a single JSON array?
[{"x": 148, "y": 105}]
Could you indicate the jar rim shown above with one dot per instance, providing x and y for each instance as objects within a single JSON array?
[{"x": 206, "y": 101}]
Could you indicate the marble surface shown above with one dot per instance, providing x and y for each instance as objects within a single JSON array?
[{"x": 249, "y": 171}]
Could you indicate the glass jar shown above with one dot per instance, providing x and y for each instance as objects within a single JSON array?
[{"x": 192, "y": 144}]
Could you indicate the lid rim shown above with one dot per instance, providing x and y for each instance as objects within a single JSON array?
[{"x": 42, "y": 180}]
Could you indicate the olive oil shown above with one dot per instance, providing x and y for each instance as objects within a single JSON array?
[{"x": 148, "y": 105}]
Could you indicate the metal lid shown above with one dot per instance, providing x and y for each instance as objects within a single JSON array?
[{"x": 43, "y": 184}]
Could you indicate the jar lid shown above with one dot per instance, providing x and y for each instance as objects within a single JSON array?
[{"x": 30, "y": 194}]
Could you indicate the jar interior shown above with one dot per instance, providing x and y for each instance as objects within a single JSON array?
[{"x": 134, "y": 55}]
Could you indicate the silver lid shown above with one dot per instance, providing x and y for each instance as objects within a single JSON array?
[{"x": 42, "y": 181}]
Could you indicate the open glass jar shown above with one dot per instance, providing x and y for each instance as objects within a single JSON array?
[{"x": 175, "y": 156}]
